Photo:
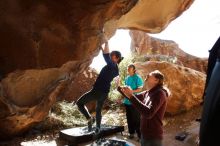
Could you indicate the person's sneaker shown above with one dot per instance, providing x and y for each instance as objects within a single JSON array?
[
  {"x": 97, "y": 130},
  {"x": 96, "y": 134},
  {"x": 131, "y": 136},
  {"x": 90, "y": 123}
]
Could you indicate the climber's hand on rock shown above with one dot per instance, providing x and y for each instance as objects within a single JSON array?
[
  {"x": 106, "y": 48},
  {"x": 105, "y": 39}
]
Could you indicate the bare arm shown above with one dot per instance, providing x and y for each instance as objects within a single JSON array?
[
  {"x": 105, "y": 49},
  {"x": 106, "y": 55}
]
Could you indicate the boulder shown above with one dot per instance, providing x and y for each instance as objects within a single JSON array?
[
  {"x": 54, "y": 41},
  {"x": 156, "y": 14},
  {"x": 142, "y": 44},
  {"x": 26, "y": 98},
  {"x": 186, "y": 85},
  {"x": 80, "y": 85},
  {"x": 43, "y": 34}
]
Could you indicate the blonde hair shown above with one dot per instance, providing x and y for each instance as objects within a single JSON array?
[{"x": 158, "y": 75}]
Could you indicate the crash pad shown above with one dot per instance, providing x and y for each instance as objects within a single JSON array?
[{"x": 79, "y": 135}]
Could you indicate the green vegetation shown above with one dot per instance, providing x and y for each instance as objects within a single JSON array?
[
  {"x": 145, "y": 58},
  {"x": 62, "y": 115},
  {"x": 68, "y": 114},
  {"x": 114, "y": 95}
]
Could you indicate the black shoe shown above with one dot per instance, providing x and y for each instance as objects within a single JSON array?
[
  {"x": 90, "y": 123},
  {"x": 96, "y": 134},
  {"x": 97, "y": 130}
]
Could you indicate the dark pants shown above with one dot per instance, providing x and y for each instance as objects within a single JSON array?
[
  {"x": 151, "y": 142},
  {"x": 133, "y": 120},
  {"x": 92, "y": 95}
]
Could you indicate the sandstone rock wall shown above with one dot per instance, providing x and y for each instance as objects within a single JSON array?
[
  {"x": 27, "y": 97},
  {"x": 52, "y": 41},
  {"x": 144, "y": 45},
  {"x": 186, "y": 85},
  {"x": 43, "y": 34},
  {"x": 80, "y": 85},
  {"x": 163, "y": 10}
]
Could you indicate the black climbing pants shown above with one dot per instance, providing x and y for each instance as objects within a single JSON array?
[{"x": 92, "y": 95}]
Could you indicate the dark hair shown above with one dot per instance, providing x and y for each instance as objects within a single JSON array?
[
  {"x": 118, "y": 55},
  {"x": 132, "y": 66}
]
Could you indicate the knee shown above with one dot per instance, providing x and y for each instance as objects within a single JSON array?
[{"x": 98, "y": 107}]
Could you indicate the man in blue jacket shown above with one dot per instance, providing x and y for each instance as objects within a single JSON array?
[{"x": 100, "y": 89}]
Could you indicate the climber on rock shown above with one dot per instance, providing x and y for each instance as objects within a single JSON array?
[{"x": 100, "y": 89}]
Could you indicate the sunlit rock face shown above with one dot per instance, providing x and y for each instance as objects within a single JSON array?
[
  {"x": 184, "y": 73},
  {"x": 151, "y": 48},
  {"x": 26, "y": 98},
  {"x": 149, "y": 16},
  {"x": 156, "y": 14},
  {"x": 186, "y": 85},
  {"x": 51, "y": 42}
]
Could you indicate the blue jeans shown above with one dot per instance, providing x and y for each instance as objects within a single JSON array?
[
  {"x": 92, "y": 95},
  {"x": 151, "y": 142}
]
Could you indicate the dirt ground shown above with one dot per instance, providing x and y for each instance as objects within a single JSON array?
[{"x": 184, "y": 122}]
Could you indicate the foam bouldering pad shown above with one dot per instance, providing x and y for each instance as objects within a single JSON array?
[{"x": 80, "y": 135}]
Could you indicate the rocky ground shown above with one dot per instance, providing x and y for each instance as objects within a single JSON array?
[{"x": 46, "y": 133}]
